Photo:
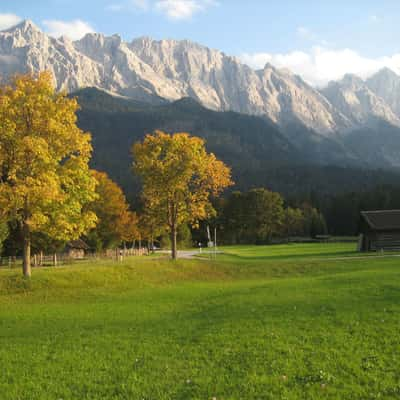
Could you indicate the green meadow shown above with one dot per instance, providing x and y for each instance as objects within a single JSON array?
[{"x": 310, "y": 321}]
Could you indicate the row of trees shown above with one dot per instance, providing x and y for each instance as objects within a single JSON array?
[
  {"x": 49, "y": 195},
  {"x": 115, "y": 224},
  {"x": 259, "y": 216}
]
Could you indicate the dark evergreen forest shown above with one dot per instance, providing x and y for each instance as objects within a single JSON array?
[{"x": 306, "y": 171}]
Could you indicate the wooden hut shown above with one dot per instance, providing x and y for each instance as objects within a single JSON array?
[
  {"x": 379, "y": 230},
  {"x": 76, "y": 249}
]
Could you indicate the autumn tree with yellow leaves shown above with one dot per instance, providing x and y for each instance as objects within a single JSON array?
[
  {"x": 45, "y": 182},
  {"x": 128, "y": 227},
  {"x": 116, "y": 223},
  {"x": 178, "y": 177}
]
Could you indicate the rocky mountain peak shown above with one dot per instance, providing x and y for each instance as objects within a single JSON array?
[
  {"x": 97, "y": 42},
  {"x": 361, "y": 105},
  {"x": 24, "y": 26},
  {"x": 149, "y": 70},
  {"x": 268, "y": 66},
  {"x": 385, "y": 73},
  {"x": 157, "y": 70},
  {"x": 24, "y": 33},
  {"x": 351, "y": 81},
  {"x": 386, "y": 84}
]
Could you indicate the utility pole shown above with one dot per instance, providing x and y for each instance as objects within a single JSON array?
[{"x": 215, "y": 241}]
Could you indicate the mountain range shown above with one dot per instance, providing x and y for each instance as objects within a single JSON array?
[
  {"x": 351, "y": 122},
  {"x": 258, "y": 152}
]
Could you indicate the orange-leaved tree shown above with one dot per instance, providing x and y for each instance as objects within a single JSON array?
[
  {"x": 128, "y": 227},
  {"x": 45, "y": 181},
  {"x": 178, "y": 177},
  {"x": 116, "y": 223}
]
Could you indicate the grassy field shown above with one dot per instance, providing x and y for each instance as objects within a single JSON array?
[{"x": 280, "y": 322}]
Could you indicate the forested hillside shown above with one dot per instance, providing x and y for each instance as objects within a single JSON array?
[{"x": 258, "y": 152}]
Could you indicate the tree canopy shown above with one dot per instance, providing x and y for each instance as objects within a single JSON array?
[
  {"x": 260, "y": 216},
  {"x": 45, "y": 181},
  {"x": 116, "y": 223},
  {"x": 178, "y": 177}
]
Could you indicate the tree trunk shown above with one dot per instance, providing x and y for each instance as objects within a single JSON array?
[
  {"x": 174, "y": 250},
  {"x": 26, "y": 261}
]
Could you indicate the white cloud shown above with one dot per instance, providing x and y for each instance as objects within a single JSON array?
[
  {"x": 182, "y": 9},
  {"x": 320, "y": 65},
  {"x": 172, "y": 9},
  {"x": 8, "y": 20},
  {"x": 72, "y": 29},
  {"x": 178, "y": 9}
]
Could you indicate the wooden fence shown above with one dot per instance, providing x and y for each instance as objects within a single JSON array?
[{"x": 45, "y": 260}]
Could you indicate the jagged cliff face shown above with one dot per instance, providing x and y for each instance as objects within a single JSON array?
[
  {"x": 148, "y": 70},
  {"x": 221, "y": 82},
  {"x": 386, "y": 84},
  {"x": 25, "y": 48},
  {"x": 354, "y": 99},
  {"x": 155, "y": 71}
]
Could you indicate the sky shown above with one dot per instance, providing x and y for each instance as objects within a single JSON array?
[{"x": 319, "y": 40}]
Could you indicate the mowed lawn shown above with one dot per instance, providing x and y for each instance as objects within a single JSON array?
[{"x": 269, "y": 322}]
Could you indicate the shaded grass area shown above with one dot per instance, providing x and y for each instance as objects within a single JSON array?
[{"x": 256, "y": 323}]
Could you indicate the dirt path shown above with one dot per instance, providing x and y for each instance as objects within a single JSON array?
[{"x": 189, "y": 253}]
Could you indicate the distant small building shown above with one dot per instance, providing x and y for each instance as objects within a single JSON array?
[
  {"x": 379, "y": 230},
  {"x": 76, "y": 249}
]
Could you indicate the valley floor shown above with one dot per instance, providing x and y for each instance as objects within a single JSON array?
[{"x": 270, "y": 322}]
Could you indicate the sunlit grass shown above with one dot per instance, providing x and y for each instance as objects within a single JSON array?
[{"x": 268, "y": 322}]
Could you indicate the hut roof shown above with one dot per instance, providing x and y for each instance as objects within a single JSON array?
[
  {"x": 382, "y": 220},
  {"x": 77, "y": 244}
]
